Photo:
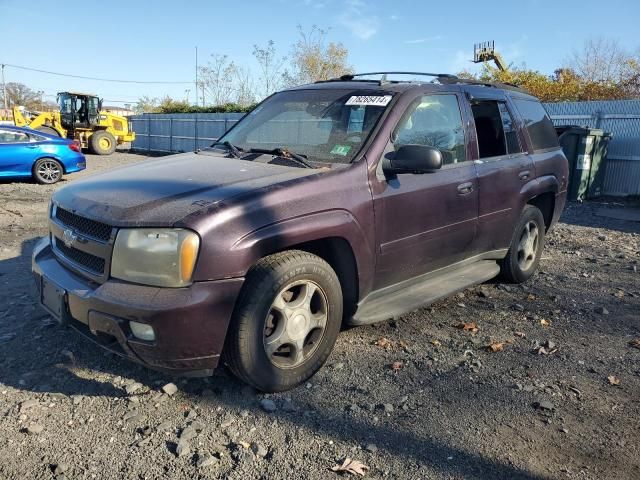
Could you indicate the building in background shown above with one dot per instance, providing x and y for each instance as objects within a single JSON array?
[{"x": 122, "y": 111}]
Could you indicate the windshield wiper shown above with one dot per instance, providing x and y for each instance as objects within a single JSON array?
[
  {"x": 284, "y": 153},
  {"x": 235, "y": 151}
]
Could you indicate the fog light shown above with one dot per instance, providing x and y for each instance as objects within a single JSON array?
[{"x": 142, "y": 331}]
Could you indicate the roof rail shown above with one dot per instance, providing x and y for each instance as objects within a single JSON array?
[
  {"x": 351, "y": 76},
  {"x": 443, "y": 78}
]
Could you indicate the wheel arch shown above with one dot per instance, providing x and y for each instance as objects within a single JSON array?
[
  {"x": 337, "y": 252},
  {"x": 541, "y": 193},
  {"x": 335, "y": 236}
]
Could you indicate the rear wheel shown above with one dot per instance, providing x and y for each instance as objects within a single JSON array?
[
  {"x": 102, "y": 143},
  {"x": 526, "y": 246},
  {"x": 47, "y": 171},
  {"x": 49, "y": 130},
  {"x": 286, "y": 321}
]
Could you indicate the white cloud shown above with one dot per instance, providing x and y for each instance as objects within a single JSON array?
[
  {"x": 394, "y": 17},
  {"x": 423, "y": 40},
  {"x": 356, "y": 20}
]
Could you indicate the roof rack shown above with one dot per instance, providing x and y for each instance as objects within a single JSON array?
[
  {"x": 443, "y": 78},
  {"x": 383, "y": 78}
]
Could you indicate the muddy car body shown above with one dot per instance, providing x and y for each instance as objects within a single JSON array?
[{"x": 367, "y": 235}]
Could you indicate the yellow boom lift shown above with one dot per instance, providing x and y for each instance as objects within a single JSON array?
[
  {"x": 486, "y": 52},
  {"x": 80, "y": 118}
]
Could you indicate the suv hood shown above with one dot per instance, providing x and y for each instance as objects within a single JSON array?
[{"x": 161, "y": 192}]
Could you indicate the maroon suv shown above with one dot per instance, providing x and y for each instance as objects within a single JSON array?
[{"x": 349, "y": 201}]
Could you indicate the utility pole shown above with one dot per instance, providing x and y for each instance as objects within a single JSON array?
[
  {"x": 196, "y": 76},
  {"x": 4, "y": 90}
]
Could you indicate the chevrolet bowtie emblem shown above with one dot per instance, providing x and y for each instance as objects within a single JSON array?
[{"x": 69, "y": 238}]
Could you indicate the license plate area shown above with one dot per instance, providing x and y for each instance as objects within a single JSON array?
[{"x": 53, "y": 298}]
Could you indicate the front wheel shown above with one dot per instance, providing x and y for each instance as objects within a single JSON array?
[
  {"x": 286, "y": 321},
  {"x": 526, "y": 246},
  {"x": 102, "y": 143},
  {"x": 47, "y": 171}
]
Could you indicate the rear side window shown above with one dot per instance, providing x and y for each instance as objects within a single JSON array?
[{"x": 538, "y": 124}]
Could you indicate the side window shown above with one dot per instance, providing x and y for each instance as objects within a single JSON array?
[
  {"x": 489, "y": 128},
  {"x": 538, "y": 124},
  {"x": 9, "y": 136},
  {"x": 435, "y": 121},
  {"x": 509, "y": 128}
]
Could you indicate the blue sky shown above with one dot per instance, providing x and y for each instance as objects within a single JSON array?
[{"x": 155, "y": 40}]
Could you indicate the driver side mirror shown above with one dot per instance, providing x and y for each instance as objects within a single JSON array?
[{"x": 413, "y": 159}]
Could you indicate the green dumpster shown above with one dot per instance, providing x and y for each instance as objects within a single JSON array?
[{"x": 586, "y": 150}]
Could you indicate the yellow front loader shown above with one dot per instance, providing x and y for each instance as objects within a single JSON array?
[{"x": 80, "y": 119}]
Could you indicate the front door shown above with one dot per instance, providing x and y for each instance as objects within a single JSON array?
[
  {"x": 426, "y": 221},
  {"x": 17, "y": 153}
]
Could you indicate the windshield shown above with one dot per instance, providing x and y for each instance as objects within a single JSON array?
[{"x": 328, "y": 126}]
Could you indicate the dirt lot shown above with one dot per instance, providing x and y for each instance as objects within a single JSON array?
[{"x": 560, "y": 400}]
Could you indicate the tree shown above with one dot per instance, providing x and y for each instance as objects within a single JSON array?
[
  {"x": 270, "y": 68},
  {"x": 217, "y": 79},
  {"x": 604, "y": 61},
  {"x": 312, "y": 59},
  {"x": 146, "y": 104},
  {"x": 244, "y": 87},
  {"x": 18, "y": 94}
]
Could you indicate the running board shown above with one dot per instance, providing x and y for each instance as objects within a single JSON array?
[{"x": 399, "y": 299}]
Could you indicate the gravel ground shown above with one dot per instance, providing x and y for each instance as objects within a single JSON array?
[{"x": 415, "y": 398}]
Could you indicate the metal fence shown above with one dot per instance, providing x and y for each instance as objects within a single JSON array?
[
  {"x": 620, "y": 118},
  {"x": 179, "y": 132},
  {"x": 164, "y": 133}
]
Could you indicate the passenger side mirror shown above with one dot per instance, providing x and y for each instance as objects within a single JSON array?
[{"x": 413, "y": 159}]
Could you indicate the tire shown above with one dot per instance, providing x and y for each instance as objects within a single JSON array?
[
  {"x": 286, "y": 321},
  {"x": 49, "y": 130},
  {"x": 47, "y": 171},
  {"x": 102, "y": 142},
  {"x": 526, "y": 247}
]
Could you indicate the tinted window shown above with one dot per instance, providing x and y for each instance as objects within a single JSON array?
[
  {"x": 538, "y": 124},
  {"x": 510, "y": 132},
  {"x": 9, "y": 136},
  {"x": 436, "y": 122}
]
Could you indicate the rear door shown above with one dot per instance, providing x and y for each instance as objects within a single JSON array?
[
  {"x": 426, "y": 221},
  {"x": 17, "y": 153},
  {"x": 503, "y": 167}
]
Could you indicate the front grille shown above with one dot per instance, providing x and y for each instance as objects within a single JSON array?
[
  {"x": 85, "y": 226},
  {"x": 85, "y": 260}
]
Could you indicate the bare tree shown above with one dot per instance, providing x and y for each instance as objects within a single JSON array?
[
  {"x": 312, "y": 59},
  {"x": 18, "y": 94},
  {"x": 217, "y": 79},
  {"x": 244, "y": 87},
  {"x": 270, "y": 68},
  {"x": 602, "y": 60}
]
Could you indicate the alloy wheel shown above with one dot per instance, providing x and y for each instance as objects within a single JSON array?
[
  {"x": 295, "y": 324},
  {"x": 528, "y": 245}
]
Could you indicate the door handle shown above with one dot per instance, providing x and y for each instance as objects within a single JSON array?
[
  {"x": 524, "y": 175},
  {"x": 465, "y": 188}
]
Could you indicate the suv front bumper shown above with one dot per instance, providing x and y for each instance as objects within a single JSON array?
[{"x": 190, "y": 323}]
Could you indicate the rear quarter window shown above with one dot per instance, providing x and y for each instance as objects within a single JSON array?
[{"x": 538, "y": 124}]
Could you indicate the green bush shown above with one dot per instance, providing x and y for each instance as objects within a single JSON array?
[{"x": 182, "y": 107}]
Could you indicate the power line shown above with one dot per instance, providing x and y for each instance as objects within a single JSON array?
[{"x": 92, "y": 78}]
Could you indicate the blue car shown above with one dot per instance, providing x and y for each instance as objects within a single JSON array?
[{"x": 29, "y": 153}]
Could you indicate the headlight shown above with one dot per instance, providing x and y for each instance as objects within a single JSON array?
[{"x": 163, "y": 257}]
